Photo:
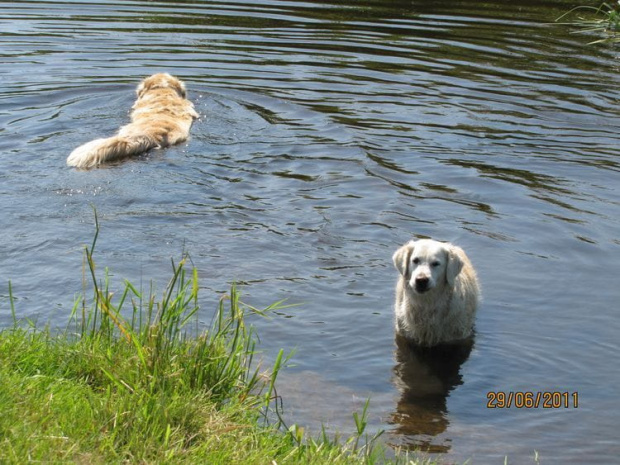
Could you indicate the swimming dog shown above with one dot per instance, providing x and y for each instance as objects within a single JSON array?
[{"x": 160, "y": 117}]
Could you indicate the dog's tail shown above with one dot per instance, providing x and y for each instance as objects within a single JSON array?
[{"x": 101, "y": 151}]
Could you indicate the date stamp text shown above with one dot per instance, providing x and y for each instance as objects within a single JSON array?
[{"x": 530, "y": 399}]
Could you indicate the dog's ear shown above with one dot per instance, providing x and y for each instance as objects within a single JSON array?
[
  {"x": 455, "y": 264},
  {"x": 180, "y": 88},
  {"x": 144, "y": 86},
  {"x": 140, "y": 90},
  {"x": 401, "y": 258}
]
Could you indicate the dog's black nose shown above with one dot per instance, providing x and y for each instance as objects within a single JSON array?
[{"x": 421, "y": 284}]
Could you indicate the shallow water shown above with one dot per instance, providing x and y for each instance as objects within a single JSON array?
[{"x": 330, "y": 134}]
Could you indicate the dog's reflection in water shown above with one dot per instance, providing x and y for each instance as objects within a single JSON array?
[{"x": 424, "y": 377}]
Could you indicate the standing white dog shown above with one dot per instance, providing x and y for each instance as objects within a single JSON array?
[
  {"x": 161, "y": 116},
  {"x": 437, "y": 293}
]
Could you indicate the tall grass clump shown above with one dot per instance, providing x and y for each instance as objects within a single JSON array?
[
  {"x": 602, "y": 19},
  {"x": 125, "y": 377},
  {"x": 128, "y": 381}
]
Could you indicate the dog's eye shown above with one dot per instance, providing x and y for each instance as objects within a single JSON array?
[
  {"x": 416, "y": 261},
  {"x": 435, "y": 264}
]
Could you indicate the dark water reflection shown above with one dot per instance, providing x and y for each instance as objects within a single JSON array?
[
  {"x": 331, "y": 132},
  {"x": 425, "y": 377}
]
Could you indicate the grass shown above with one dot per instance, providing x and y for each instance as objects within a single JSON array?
[
  {"x": 127, "y": 382},
  {"x": 604, "y": 19}
]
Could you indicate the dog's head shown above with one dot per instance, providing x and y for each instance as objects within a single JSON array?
[
  {"x": 161, "y": 81},
  {"x": 426, "y": 264}
]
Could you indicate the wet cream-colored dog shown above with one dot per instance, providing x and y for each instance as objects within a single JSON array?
[
  {"x": 437, "y": 293},
  {"x": 161, "y": 116}
]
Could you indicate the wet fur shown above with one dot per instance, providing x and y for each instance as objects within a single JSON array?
[
  {"x": 437, "y": 293},
  {"x": 160, "y": 117}
]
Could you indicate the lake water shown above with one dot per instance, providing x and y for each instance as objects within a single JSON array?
[{"x": 330, "y": 134}]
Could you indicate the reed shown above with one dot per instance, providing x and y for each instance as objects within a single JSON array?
[
  {"x": 604, "y": 19},
  {"x": 129, "y": 381}
]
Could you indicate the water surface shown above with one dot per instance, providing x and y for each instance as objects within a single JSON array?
[{"x": 330, "y": 134}]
